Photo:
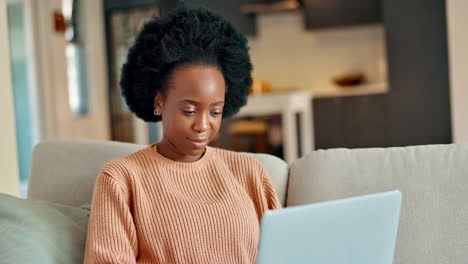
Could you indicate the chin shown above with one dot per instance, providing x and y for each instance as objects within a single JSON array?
[{"x": 193, "y": 151}]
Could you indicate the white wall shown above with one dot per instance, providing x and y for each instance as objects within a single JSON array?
[
  {"x": 60, "y": 122},
  {"x": 457, "y": 20},
  {"x": 9, "y": 175},
  {"x": 288, "y": 56}
]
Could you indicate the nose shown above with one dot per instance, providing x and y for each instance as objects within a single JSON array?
[{"x": 201, "y": 123}]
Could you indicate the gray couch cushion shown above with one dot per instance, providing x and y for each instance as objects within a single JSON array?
[
  {"x": 433, "y": 180},
  {"x": 41, "y": 232},
  {"x": 65, "y": 171},
  {"x": 278, "y": 171}
]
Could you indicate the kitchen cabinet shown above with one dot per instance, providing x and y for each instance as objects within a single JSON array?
[
  {"x": 245, "y": 23},
  {"x": 416, "y": 110},
  {"x": 122, "y": 4},
  {"x": 229, "y": 9},
  {"x": 351, "y": 122},
  {"x": 417, "y": 52},
  {"x": 320, "y": 14},
  {"x": 329, "y": 123},
  {"x": 366, "y": 119}
]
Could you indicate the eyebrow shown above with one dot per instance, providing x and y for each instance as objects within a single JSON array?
[{"x": 197, "y": 103}]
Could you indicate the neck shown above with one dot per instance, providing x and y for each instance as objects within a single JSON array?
[{"x": 168, "y": 150}]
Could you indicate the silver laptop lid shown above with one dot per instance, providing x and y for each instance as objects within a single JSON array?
[{"x": 357, "y": 230}]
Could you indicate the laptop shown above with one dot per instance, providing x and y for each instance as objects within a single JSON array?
[{"x": 357, "y": 230}]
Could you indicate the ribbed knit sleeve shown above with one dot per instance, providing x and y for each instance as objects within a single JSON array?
[
  {"x": 111, "y": 230},
  {"x": 269, "y": 191},
  {"x": 270, "y": 198},
  {"x": 261, "y": 188}
]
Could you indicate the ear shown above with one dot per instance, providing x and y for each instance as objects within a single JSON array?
[{"x": 158, "y": 101}]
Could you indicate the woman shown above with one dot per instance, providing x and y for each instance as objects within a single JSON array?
[{"x": 179, "y": 200}]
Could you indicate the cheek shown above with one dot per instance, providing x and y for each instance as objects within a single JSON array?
[
  {"x": 215, "y": 124},
  {"x": 175, "y": 125}
]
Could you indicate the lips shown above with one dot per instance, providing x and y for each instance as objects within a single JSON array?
[
  {"x": 198, "y": 143},
  {"x": 198, "y": 140}
]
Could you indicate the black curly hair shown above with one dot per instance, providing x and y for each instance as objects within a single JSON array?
[{"x": 189, "y": 36}]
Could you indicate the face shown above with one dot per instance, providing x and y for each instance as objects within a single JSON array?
[{"x": 191, "y": 110}]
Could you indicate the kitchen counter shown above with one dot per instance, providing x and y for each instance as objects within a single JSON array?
[
  {"x": 366, "y": 89},
  {"x": 288, "y": 105}
]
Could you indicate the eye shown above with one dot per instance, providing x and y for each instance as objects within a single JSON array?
[
  {"x": 216, "y": 113},
  {"x": 188, "y": 113}
]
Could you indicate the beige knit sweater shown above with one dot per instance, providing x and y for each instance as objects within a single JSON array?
[{"x": 150, "y": 209}]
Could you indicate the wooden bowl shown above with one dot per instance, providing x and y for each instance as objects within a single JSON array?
[{"x": 349, "y": 80}]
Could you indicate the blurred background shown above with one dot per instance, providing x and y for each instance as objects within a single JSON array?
[{"x": 327, "y": 74}]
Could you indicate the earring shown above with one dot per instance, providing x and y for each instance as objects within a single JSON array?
[{"x": 156, "y": 112}]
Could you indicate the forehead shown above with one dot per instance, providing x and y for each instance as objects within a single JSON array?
[{"x": 196, "y": 82}]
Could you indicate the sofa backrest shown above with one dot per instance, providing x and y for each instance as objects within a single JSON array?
[
  {"x": 433, "y": 180},
  {"x": 65, "y": 171}
]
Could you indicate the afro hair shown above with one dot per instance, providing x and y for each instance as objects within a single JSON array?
[{"x": 187, "y": 36}]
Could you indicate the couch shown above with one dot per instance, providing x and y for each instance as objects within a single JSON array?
[{"x": 433, "y": 179}]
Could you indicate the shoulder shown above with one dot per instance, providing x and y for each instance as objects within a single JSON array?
[
  {"x": 239, "y": 161},
  {"x": 233, "y": 156},
  {"x": 123, "y": 169}
]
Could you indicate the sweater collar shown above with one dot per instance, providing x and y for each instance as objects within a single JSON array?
[{"x": 200, "y": 163}]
